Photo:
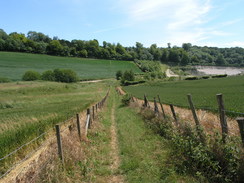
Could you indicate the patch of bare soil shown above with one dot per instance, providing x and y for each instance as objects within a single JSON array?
[
  {"x": 120, "y": 90},
  {"x": 115, "y": 178},
  {"x": 92, "y": 81}
]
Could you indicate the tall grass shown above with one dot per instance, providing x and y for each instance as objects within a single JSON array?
[{"x": 30, "y": 108}]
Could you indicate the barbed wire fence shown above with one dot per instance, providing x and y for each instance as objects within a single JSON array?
[
  {"x": 221, "y": 111},
  {"x": 66, "y": 125}
]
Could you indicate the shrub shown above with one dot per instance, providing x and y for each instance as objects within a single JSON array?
[
  {"x": 31, "y": 76},
  {"x": 126, "y": 100},
  {"x": 65, "y": 75},
  {"x": 128, "y": 76},
  {"x": 127, "y": 83},
  {"x": 5, "y": 80},
  {"x": 191, "y": 78},
  {"x": 219, "y": 76},
  {"x": 205, "y": 77},
  {"x": 48, "y": 76},
  {"x": 153, "y": 75},
  {"x": 119, "y": 75}
]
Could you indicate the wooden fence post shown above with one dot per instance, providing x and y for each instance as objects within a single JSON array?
[
  {"x": 161, "y": 107},
  {"x": 222, "y": 116},
  {"x": 88, "y": 113},
  {"x": 78, "y": 124},
  {"x": 155, "y": 106},
  {"x": 96, "y": 107},
  {"x": 240, "y": 121},
  {"x": 93, "y": 112},
  {"x": 87, "y": 123},
  {"x": 59, "y": 142},
  {"x": 198, "y": 125},
  {"x": 193, "y": 110},
  {"x": 174, "y": 115},
  {"x": 145, "y": 101}
]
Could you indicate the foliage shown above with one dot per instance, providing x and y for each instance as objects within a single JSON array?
[
  {"x": 36, "y": 42},
  {"x": 148, "y": 66},
  {"x": 220, "y": 76},
  {"x": 191, "y": 78},
  {"x": 127, "y": 83},
  {"x": 126, "y": 100},
  {"x": 48, "y": 76},
  {"x": 209, "y": 159},
  {"x": 4, "y": 80},
  {"x": 119, "y": 74},
  {"x": 128, "y": 76},
  {"x": 65, "y": 75},
  {"x": 205, "y": 77},
  {"x": 31, "y": 76}
]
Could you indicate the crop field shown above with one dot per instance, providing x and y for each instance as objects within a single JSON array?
[
  {"x": 13, "y": 65},
  {"x": 203, "y": 92},
  {"x": 27, "y": 109}
]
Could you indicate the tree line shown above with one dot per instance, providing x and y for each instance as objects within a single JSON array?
[{"x": 187, "y": 54}]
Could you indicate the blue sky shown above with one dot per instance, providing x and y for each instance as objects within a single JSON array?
[{"x": 200, "y": 22}]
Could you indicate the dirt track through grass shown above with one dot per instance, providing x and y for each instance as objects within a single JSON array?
[{"x": 114, "y": 150}]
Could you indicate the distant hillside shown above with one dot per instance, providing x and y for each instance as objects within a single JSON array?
[
  {"x": 37, "y": 42},
  {"x": 13, "y": 65}
]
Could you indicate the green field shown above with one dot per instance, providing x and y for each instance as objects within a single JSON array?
[
  {"x": 203, "y": 92},
  {"x": 27, "y": 109},
  {"x": 13, "y": 65}
]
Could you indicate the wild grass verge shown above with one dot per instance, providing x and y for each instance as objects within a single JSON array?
[{"x": 209, "y": 160}]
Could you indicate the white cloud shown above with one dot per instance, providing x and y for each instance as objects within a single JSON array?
[
  {"x": 234, "y": 44},
  {"x": 231, "y": 22},
  {"x": 223, "y": 44}
]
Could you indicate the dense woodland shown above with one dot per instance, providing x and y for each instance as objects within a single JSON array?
[{"x": 37, "y": 42}]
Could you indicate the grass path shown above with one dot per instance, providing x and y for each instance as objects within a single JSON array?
[
  {"x": 114, "y": 150},
  {"x": 143, "y": 155},
  {"x": 123, "y": 149}
]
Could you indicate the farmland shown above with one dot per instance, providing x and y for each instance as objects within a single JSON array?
[
  {"x": 13, "y": 65},
  {"x": 203, "y": 92},
  {"x": 27, "y": 109}
]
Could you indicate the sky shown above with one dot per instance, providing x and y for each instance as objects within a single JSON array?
[{"x": 200, "y": 22}]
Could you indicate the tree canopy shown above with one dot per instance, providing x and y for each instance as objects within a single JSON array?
[{"x": 188, "y": 54}]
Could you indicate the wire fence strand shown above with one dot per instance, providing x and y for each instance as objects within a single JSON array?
[{"x": 16, "y": 150}]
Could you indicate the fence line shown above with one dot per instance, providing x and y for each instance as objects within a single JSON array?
[
  {"x": 100, "y": 104},
  {"x": 222, "y": 111},
  {"x": 16, "y": 150}
]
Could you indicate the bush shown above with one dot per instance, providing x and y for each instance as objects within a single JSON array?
[
  {"x": 219, "y": 76},
  {"x": 126, "y": 100},
  {"x": 127, "y": 83},
  {"x": 5, "y": 80},
  {"x": 65, "y": 75},
  {"x": 191, "y": 78},
  {"x": 128, "y": 76},
  {"x": 119, "y": 75},
  {"x": 31, "y": 76},
  {"x": 210, "y": 159},
  {"x": 48, "y": 76},
  {"x": 205, "y": 77}
]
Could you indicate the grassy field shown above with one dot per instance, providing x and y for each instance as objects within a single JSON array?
[
  {"x": 13, "y": 65},
  {"x": 27, "y": 109},
  {"x": 203, "y": 92}
]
